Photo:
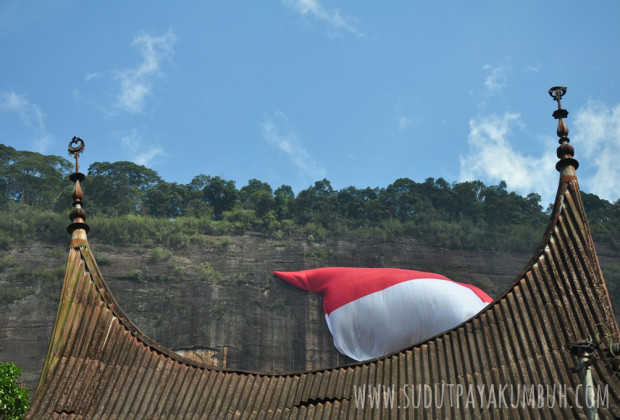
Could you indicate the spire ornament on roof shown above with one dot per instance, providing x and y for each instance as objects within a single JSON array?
[
  {"x": 78, "y": 228},
  {"x": 565, "y": 152},
  {"x": 76, "y": 150}
]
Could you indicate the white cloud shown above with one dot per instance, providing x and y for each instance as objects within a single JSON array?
[
  {"x": 278, "y": 132},
  {"x": 597, "y": 134},
  {"x": 146, "y": 157},
  {"x": 31, "y": 117},
  {"x": 532, "y": 68},
  {"x": 333, "y": 17},
  {"x": 403, "y": 123},
  {"x": 492, "y": 158},
  {"x": 140, "y": 154},
  {"x": 496, "y": 78},
  {"x": 137, "y": 82},
  {"x": 42, "y": 143},
  {"x": 76, "y": 94},
  {"x": 92, "y": 76},
  {"x": 29, "y": 114}
]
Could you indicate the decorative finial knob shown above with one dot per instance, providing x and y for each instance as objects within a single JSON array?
[
  {"x": 556, "y": 93},
  {"x": 76, "y": 150},
  {"x": 565, "y": 152}
]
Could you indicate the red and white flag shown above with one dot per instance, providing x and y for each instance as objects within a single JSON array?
[{"x": 372, "y": 312}]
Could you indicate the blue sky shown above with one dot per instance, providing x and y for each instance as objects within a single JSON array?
[{"x": 293, "y": 91}]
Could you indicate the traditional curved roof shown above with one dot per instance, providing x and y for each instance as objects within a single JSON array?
[{"x": 100, "y": 366}]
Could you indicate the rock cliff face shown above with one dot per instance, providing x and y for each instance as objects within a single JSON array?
[{"x": 218, "y": 302}]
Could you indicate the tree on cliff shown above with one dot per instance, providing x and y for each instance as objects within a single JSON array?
[
  {"x": 32, "y": 179},
  {"x": 119, "y": 187},
  {"x": 220, "y": 193},
  {"x": 14, "y": 399}
]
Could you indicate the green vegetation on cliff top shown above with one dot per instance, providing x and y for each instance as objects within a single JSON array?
[{"x": 129, "y": 203}]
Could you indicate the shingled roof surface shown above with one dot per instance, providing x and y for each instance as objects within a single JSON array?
[{"x": 509, "y": 361}]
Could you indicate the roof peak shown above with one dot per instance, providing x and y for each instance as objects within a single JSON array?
[
  {"x": 78, "y": 228},
  {"x": 565, "y": 151}
]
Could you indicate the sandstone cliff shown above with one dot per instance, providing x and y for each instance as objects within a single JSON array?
[{"x": 218, "y": 302}]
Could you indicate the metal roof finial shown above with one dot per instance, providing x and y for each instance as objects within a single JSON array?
[
  {"x": 76, "y": 150},
  {"x": 78, "y": 228},
  {"x": 556, "y": 93},
  {"x": 565, "y": 152}
]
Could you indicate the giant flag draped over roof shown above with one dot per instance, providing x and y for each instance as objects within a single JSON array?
[{"x": 372, "y": 312}]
